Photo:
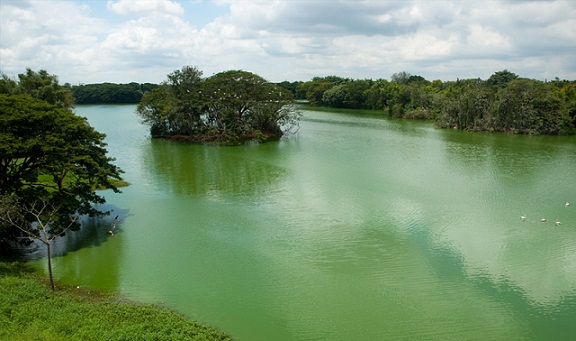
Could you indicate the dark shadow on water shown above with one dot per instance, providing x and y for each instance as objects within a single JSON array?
[{"x": 93, "y": 232}]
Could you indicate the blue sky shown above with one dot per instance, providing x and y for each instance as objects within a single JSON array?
[{"x": 93, "y": 41}]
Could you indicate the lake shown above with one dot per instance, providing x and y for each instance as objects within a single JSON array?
[{"x": 356, "y": 228}]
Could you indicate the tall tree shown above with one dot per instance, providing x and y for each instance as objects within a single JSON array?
[
  {"x": 45, "y": 87},
  {"x": 48, "y": 154},
  {"x": 241, "y": 103},
  {"x": 501, "y": 78},
  {"x": 176, "y": 107}
]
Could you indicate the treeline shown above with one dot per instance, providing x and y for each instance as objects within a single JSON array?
[
  {"x": 43, "y": 86},
  {"x": 504, "y": 102},
  {"x": 111, "y": 93}
]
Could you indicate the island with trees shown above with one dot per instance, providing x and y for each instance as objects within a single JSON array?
[{"x": 229, "y": 107}]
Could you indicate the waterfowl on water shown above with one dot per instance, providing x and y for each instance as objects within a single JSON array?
[
  {"x": 523, "y": 218},
  {"x": 558, "y": 222},
  {"x": 567, "y": 204},
  {"x": 543, "y": 220}
]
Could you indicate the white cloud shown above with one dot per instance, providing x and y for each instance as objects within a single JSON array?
[
  {"x": 145, "y": 7},
  {"x": 294, "y": 40},
  {"x": 485, "y": 39},
  {"x": 42, "y": 35}
]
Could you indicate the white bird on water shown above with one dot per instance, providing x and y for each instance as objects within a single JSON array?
[
  {"x": 558, "y": 222},
  {"x": 567, "y": 204},
  {"x": 543, "y": 220},
  {"x": 523, "y": 218}
]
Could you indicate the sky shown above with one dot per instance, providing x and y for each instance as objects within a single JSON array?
[{"x": 122, "y": 41}]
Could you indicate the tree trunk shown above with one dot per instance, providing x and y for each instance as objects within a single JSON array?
[{"x": 49, "y": 255}]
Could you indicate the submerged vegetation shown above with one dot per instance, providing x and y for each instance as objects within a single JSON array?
[{"x": 30, "y": 311}]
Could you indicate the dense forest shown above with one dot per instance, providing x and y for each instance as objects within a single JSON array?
[
  {"x": 504, "y": 102},
  {"x": 111, "y": 93}
]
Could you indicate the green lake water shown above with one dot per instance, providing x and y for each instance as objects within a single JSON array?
[{"x": 356, "y": 228}]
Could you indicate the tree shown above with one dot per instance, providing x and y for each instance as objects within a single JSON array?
[
  {"x": 401, "y": 77},
  {"x": 50, "y": 155},
  {"x": 229, "y": 107},
  {"x": 7, "y": 85},
  {"x": 501, "y": 78},
  {"x": 43, "y": 227},
  {"x": 532, "y": 107},
  {"x": 39, "y": 85},
  {"x": 242, "y": 104},
  {"x": 293, "y": 87},
  {"x": 110, "y": 93},
  {"x": 175, "y": 107},
  {"x": 336, "y": 96},
  {"x": 158, "y": 110}
]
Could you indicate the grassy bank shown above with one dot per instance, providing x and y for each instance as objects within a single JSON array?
[{"x": 29, "y": 310}]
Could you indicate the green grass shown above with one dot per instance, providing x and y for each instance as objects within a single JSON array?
[{"x": 29, "y": 310}]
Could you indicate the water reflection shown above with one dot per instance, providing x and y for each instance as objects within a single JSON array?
[
  {"x": 507, "y": 177},
  {"x": 77, "y": 257},
  {"x": 214, "y": 170}
]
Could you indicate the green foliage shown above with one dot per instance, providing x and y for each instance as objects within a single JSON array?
[
  {"x": 175, "y": 108},
  {"x": 110, "y": 93},
  {"x": 531, "y": 107},
  {"x": 293, "y": 87},
  {"x": 503, "y": 103},
  {"x": 39, "y": 85},
  {"x": 230, "y": 107},
  {"x": 48, "y": 154},
  {"x": 501, "y": 78},
  {"x": 29, "y": 311}
]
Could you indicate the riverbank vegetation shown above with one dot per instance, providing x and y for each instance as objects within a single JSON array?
[
  {"x": 30, "y": 311},
  {"x": 48, "y": 154},
  {"x": 504, "y": 102},
  {"x": 229, "y": 107},
  {"x": 111, "y": 93},
  {"x": 52, "y": 162}
]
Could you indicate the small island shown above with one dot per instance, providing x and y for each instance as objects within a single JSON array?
[{"x": 228, "y": 107}]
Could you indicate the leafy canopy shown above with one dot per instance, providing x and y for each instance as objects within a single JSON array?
[
  {"x": 229, "y": 106},
  {"x": 48, "y": 154},
  {"x": 39, "y": 85}
]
